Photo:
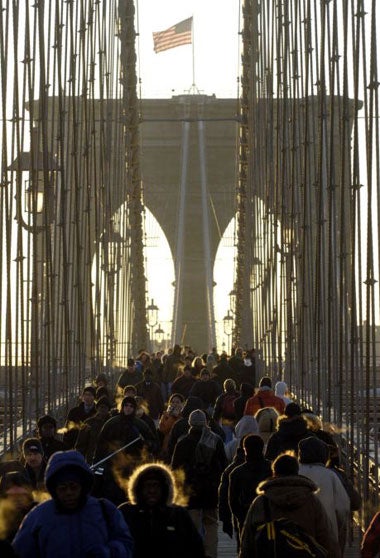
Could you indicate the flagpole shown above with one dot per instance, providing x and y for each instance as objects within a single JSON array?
[{"x": 193, "y": 87}]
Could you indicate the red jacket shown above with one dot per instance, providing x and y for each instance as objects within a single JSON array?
[{"x": 264, "y": 398}]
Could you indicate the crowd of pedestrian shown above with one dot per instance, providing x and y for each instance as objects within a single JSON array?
[{"x": 150, "y": 462}]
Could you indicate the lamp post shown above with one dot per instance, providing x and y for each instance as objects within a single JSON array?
[
  {"x": 111, "y": 253},
  {"x": 152, "y": 319},
  {"x": 159, "y": 333},
  {"x": 35, "y": 173},
  {"x": 232, "y": 296},
  {"x": 228, "y": 328}
]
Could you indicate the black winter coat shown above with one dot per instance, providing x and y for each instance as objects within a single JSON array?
[
  {"x": 203, "y": 484},
  {"x": 243, "y": 482},
  {"x": 163, "y": 531},
  {"x": 225, "y": 515}
]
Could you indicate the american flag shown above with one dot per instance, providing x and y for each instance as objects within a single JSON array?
[{"x": 177, "y": 35}]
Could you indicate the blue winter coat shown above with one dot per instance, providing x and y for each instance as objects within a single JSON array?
[{"x": 95, "y": 530}]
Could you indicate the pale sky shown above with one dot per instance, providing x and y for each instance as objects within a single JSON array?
[{"x": 216, "y": 54}]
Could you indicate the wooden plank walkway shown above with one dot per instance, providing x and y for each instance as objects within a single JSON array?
[{"x": 227, "y": 546}]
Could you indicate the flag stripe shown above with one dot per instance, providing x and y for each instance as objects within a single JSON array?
[{"x": 177, "y": 35}]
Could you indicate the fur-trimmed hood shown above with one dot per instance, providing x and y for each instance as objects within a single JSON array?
[
  {"x": 158, "y": 471},
  {"x": 288, "y": 492}
]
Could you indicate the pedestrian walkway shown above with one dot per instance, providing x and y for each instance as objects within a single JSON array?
[{"x": 227, "y": 546}]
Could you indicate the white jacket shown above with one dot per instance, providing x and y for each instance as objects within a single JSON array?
[{"x": 332, "y": 493}]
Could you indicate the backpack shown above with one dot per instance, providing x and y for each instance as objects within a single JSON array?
[
  {"x": 227, "y": 408},
  {"x": 283, "y": 538},
  {"x": 204, "y": 452}
]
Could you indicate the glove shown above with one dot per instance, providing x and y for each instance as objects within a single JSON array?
[{"x": 227, "y": 528}]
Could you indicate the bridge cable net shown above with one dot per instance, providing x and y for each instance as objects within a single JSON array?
[
  {"x": 307, "y": 277},
  {"x": 72, "y": 269}
]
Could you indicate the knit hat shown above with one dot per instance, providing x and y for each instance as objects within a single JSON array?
[
  {"x": 46, "y": 419},
  {"x": 292, "y": 410},
  {"x": 32, "y": 444},
  {"x": 197, "y": 418},
  {"x": 312, "y": 450}
]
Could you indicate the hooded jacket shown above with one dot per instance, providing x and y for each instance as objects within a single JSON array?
[
  {"x": 246, "y": 425},
  {"x": 164, "y": 529},
  {"x": 313, "y": 454},
  {"x": 280, "y": 389},
  {"x": 293, "y": 497},
  {"x": 92, "y": 529}
]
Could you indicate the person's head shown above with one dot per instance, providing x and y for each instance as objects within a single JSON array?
[
  {"x": 204, "y": 375},
  {"x": 198, "y": 363},
  {"x": 142, "y": 406},
  {"x": 103, "y": 406},
  {"x": 334, "y": 456},
  {"x": 68, "y": 479},
  {"x": 131, "y": 365},
  {"x": 266, "y": 382},
  {"x": 144, "y": 357},
  {"x": 314, "y": 423},
  {"x": 152, "y": 485},
  {"x": 197, "y": 419},
  {"x": 280, "y": 389},
  {"x": 101, "y": 380},
  {"x": 246, "y": 425},
  {"x": 267, "y": 419},
  {"x": 47, "y": 426},
  {"x": 15, "y": 486},
  {"x": 292, "y": 410},
  {"x": 176, "y": 402},
  {"x": 253, "y": 446},
  {"x": 188, "y": 360},
  {"x": 312, "y": 450},
  {"x": 177, "y": 349},
  {"x": 129, "y": 391},
  {"x": 229, "y": 385},
  {"x": 33, "y": 452},
  {"x": 187, "y": 370},
  {"x": 88, "y": 396},
  {"x": 285, "y": 465},
  {"x": 128, "y": 406}
]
